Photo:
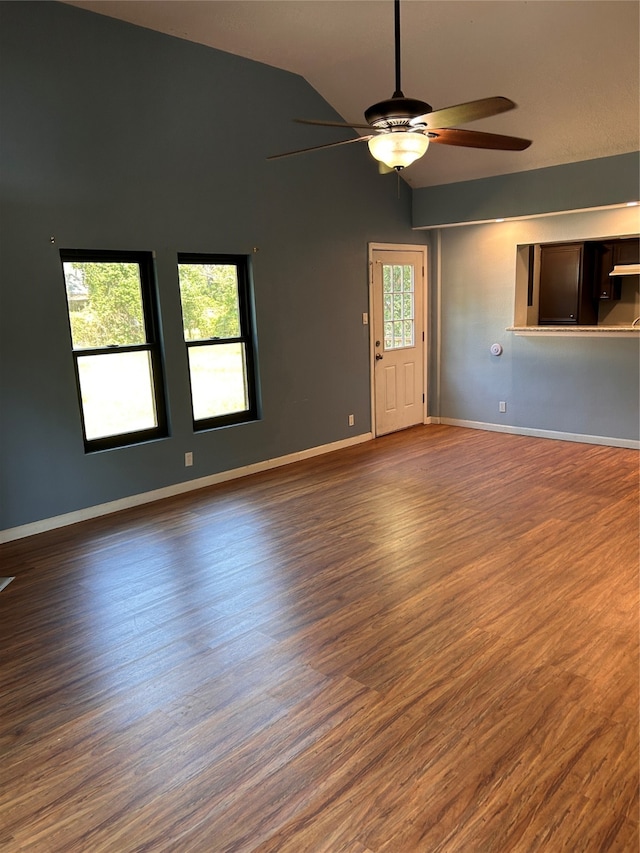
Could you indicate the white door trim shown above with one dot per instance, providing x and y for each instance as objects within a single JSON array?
[{"x": 398, "y": 247}]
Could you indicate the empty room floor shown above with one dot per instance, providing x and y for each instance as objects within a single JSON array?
[{"x": 427, "y": 642}]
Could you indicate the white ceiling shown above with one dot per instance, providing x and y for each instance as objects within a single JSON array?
[{"x": 572, "y": 66}]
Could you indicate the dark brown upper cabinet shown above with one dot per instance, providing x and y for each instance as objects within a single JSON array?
[
  {"x": 609, "y": 254},
  {"x": 627, "y": 250},
  {"x": 607, "y": 287},
  {"x": 566, "y": 295}
]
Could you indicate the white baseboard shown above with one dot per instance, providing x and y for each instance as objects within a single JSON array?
[
  {"x": 68, "y": 518},
  {"x": 629, "y": 443}
]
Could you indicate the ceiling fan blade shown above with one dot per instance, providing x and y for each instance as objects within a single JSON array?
[
  {"x": 318, "y": 147},
  {"x": 331, "y": 123},
  {"x": 463, "y": 113},
  {"x": 478, "y": 139}
]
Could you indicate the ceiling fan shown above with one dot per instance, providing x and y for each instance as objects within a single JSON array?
[{"x": 402, "y": 128}]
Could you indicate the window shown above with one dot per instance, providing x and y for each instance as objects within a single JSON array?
[
  {"x": 399, "y": 316},
  {"x": 216, "y": 318},
  {"x": 114, "y": 333}
]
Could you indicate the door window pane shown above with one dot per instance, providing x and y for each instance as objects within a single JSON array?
[{"x": 398, "y": 287}]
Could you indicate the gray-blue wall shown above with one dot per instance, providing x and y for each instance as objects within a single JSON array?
[
  {"x": 571, "y": 186},
  {"x": 118, "y": 137}
]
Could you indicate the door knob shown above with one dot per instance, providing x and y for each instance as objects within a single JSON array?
[{"x": 378, "y": 357}]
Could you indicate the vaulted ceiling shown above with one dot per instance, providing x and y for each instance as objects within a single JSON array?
[{"x": 572, "y": 66}]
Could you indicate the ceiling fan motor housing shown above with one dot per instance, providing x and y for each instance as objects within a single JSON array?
[{"x": 396, "y": 111}]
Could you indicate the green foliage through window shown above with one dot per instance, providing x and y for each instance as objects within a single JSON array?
[
  {"x": 105, "y": 304},
  {"x": 209, "y": 294}
]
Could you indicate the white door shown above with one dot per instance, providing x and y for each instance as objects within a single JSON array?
[{"x": 398, "y": 350}]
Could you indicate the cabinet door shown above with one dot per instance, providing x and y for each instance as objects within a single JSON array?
[
  {"x": 560, "y": 276},
  {"x": 627, "y": 251},
  {"x": 607, "y": 287},
  {"x": 567, "y": 285}
]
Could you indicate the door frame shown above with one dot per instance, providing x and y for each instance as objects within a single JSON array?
[{"x": 398, "y": 247}]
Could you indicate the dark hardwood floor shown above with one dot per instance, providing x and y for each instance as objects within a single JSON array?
[{"x": 428, "y": 642}]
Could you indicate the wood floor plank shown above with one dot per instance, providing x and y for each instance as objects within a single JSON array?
[{"x": 428, "y": 643}]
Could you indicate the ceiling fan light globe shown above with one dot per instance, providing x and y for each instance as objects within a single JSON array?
[{"x": 398, "y": 149}]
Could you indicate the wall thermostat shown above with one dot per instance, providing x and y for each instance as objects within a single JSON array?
[{"x": 496, "y": 349}]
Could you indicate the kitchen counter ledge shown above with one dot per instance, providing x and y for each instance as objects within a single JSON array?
[{"x": 581, "y": 331}]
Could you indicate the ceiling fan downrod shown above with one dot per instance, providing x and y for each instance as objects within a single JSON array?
[
  {"x": 398, "y": 92},
  {"x": 394, "y": 113}
]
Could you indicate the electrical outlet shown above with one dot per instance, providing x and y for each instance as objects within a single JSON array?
[
  {"x": 352, "y": 420},
  {"x": 502, "y": 406},
  {"x": 188, "y": 459}
]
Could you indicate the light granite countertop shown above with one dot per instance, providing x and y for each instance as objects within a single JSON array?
[{"x": 583, "y": 331}]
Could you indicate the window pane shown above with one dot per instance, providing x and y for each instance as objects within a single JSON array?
[
  {"x": 117, "y": 393},
  {"x": 105, "y": 304},
  {"x": 210, "y": 307},
  {"x": 218, "y": 380},
  {"x": 399, "y": 307},
  {"x": 388, "y": 307},
  {"x": 408, "y": 306}
]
